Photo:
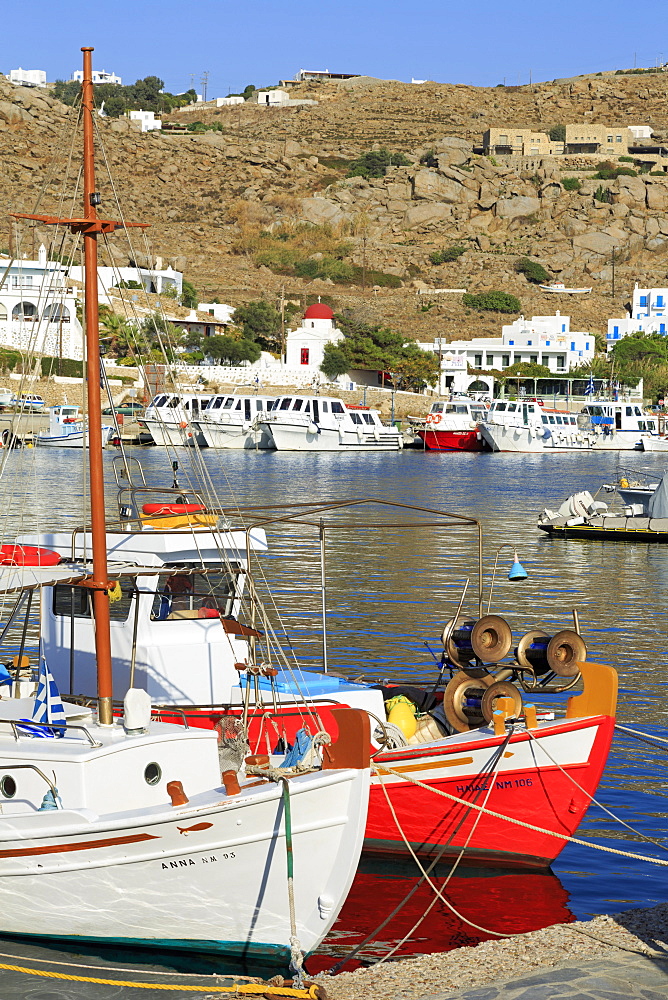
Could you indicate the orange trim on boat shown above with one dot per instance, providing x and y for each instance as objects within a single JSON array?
[
  {"x": 455, "y": 762},
  {"x": 84, "y": 845}
]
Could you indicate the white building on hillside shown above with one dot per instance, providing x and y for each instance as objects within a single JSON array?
[
  {"x": 222, "y": 102},
  {"x": 28, "y": 77},
  {"x": 542, "y": 340},
  {"x": 99, "y": 76},
  {"x": 649, "y": 314},
  {"x": 156, "y": 280},
  {"x": 218, "y": 310},
  {"x": 38, "y": 308},
  {"x": 306, "y": 345},
  {"x": 147, "y": 120}
]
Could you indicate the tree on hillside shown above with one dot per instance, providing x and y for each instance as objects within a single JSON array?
[
  {"x": 532, "y": 270},
  {"x": 493, "y": 301},
  {"x": 558, "y": 133},
  {"x": 122, "y": 335},
  {"x": 229, "y": 350},
  {"x": 260, "y": 322},
  {"x": 377, "y": 348},
  {"x": 189, "y": 295},
  {"x": 375, "y": 162}
]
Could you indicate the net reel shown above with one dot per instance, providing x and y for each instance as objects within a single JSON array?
[
  {"x": 486, "y": 640},
  {"x": 560, "y": 653}
]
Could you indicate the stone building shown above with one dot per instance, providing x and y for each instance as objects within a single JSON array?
[
  {"x": 612, "y": 140},
  {"x": 509, "y": 141}
]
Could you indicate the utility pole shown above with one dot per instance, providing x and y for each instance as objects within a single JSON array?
[
  {"x": 364, "y": 262},
  {"x": 613, "y": 271},
  {"x": 283, "y": 323},
  {"x": 205, "y": 82}
]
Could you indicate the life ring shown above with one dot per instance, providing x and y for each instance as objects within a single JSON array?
[
  {"x": 27, "y": 555},
  {"x": 435, "y": 418},
  {"x": 173, "y": 508}
]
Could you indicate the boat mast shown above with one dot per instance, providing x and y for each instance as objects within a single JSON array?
[{"x": 95, "y": 462}]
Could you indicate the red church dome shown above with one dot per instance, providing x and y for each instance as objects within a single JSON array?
[{"x": 318, "y": 311}]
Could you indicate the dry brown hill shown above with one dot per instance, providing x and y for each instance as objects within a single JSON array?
[{"x": 203, "y": 194}]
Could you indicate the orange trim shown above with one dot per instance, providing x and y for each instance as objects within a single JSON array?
[
  {"x": 84, "y": 845},
  {"x": 455, "y": 762}
]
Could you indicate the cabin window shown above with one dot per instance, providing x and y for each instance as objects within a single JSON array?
[
  {"x": 297, "y": 405},
  {"x": 195, "y": 593},
  {"x": 307, "y": 408},
  {"x": 285, "y": 403},
  {"x": 64, "y": 597},
  {"x": 259, "y": 404},
  {"x": 238, "y": 406},
  {"x": 558, "y": 420},
  {"x": 337, "y": 407},
  {"x": 574, "y": 421},
  {"x": 355, "y": 417},
  {"x": 461, "y": 409},
  {"x": 629, "y": 411},
  {"x": 229, "y": 403},
  {"x": 325, "y": 407},
  {"x": 641, "y": 425},
  {"x": 512, "y": 407},
  {"x": 159, "y": 401},
  {"x": 216, "y": 403},
  {"x": 638, "y": 411},
  {"x": 437, "y": 408},
  {"x": 174, "y": 402},
  {"x": 650, "y": 425},
  {"x": 499, "y": 407},
  {"x": 552, "y": 420},
  {"x": 544, "y": 419},
  {"x": 368, "y": 418}
]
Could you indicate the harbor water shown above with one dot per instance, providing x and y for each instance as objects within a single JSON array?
[{"x": 389, "y": 592}]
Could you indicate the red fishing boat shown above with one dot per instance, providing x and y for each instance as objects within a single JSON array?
[{"x": 453, "y": 426}]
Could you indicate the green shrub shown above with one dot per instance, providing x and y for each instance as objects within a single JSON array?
[
  {"x": 494, "y": 301},
  {"x": 625, "y": 159},
  {"x": 532, "y": 271},
  {"x": 571, "y": 183},
  {"x": 447, "y": 255},
  {"x": 375, "y": 162},
  {"x": 607, "y": 171},
  {"x": 558, "y": 133},
  {"x": 429, "y": 159},
  {"x": 61, "y": 366},
  {"x": 603, "y": 194}
]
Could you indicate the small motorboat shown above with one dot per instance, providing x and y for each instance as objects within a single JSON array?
[
  {"x": 453, "y": 426},
  {"x": 643, "y": 516},
  {"x": 560, "y": 288},
  {"x": 67, "y": 430}
]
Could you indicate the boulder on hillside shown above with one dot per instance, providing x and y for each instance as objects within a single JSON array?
[
  {"x": 657, "y": 197},
  {"x": 426, "y": 214},
  {"x": 517, "y": 207},
  {"x": 600, "y": 243},
  {"x": 10, "y": 113},
  {"x": 320, "y": 211},
  {"x": 632, "y": 191},
  {"x": 430, "y": 185}
]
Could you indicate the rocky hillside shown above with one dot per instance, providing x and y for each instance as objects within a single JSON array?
[{"x": 205, "y": 194}]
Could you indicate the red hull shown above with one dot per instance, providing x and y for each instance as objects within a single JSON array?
[
  {"x": 545, "y": 796},
  {"x": 435, "y": 440}
]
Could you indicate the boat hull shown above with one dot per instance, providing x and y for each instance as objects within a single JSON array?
[
  {"x": 541, "y": 795},
  {"x": 209, "y": 877},
  {"x": 238, "y": 437},
  {"x": 445, "y": 440},
  {"x": 595, "y": 533},
  {"x": 298, "y": 437},
  {"x": 502, "y": 437},
  {"x": 172, "y": 434},
  {"x": 73, "y": 440}
]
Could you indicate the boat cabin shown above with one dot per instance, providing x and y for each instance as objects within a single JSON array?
[
  {"x": 172, "y": 407},
  {"x": 234, "y": 409},
  {"x": 609, "y": 417},
  {"x": 325, "y": 411},
  {"x": 458, "y": 411}
]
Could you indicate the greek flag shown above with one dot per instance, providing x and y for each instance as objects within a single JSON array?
[
  {"x": 48, "y": 706},
  {"x": 590, "y": 390}
]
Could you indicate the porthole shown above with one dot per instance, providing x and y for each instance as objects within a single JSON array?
[
  {"x": 152, "y": 774},
  {"x": 8, "y": 786}
]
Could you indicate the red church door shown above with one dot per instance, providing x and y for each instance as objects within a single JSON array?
[{"x": 305, "y": 352}]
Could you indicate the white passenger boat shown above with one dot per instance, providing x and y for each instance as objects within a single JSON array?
[
  {"x": 234, "y": 421},
  {"x": 169, "y": 418},
  {"x": 67, "y": 430},
  {"x": 325, "y": 423},
  {"x": 560, "y": 289},
  {"x": 528, "y": 426},
  {"x": 122, "y": 830}
]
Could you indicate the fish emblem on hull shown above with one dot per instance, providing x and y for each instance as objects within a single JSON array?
[{"x": 194, "y": 829}]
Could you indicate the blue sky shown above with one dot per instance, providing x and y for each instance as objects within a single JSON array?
[{"x": 259, "y": 42}]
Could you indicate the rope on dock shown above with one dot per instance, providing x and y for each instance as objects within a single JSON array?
[{"x": 239, "y": 989}]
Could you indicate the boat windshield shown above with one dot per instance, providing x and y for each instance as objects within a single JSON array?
[{"x": 195, "y": 593}]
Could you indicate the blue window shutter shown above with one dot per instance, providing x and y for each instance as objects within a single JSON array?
[
  {"x": 572, "y": 345},
  {"x": 659, "y": 300},
  {"x": 643, "y": 300},
  {"x": 662, "y": 327},
  {"x": 615, "y": 330}
]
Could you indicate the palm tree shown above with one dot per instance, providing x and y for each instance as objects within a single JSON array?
[{"x": 121, "y": 333}]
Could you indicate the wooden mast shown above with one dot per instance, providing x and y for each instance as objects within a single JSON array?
[
  {"x": 90, "y": 225},
  {"x": 98, "y": 529}
]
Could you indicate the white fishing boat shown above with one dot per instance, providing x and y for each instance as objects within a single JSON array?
[
  {"x": 169, "y": 418},
  {"x": 67, "y": 429},
  {"x": 121, "y": 830},
  {"x": 235, "y": 421},
  {"x": 559, "y": 288},
  {"x": 528, "y": 426},
  {"x": 325, "y": 423}
]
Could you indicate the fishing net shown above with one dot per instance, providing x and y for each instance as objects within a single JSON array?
[{"x": 233, "y": 746}]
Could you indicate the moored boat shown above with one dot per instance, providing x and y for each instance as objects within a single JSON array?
[
  {"x": 67, "y": 429},
  {"x": 169, "y": 418},
  {"x": 325, "y": 423},
  {"x": 560, "y": 289},
  {"x": 453, "y": 425},
  {"x": 235, "y": 421}
]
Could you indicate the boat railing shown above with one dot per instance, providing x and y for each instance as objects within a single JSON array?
[
  {"x": 48, "y": 727},
  {"x": 33, "y": 767}
]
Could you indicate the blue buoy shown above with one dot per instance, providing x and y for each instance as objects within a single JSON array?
[{"x": 517, "y": 570}]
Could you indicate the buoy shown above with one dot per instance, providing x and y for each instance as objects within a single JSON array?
[
  {"x": 173, "y": 508},
  {"x": 27, "y": 555},
  {"x": 403, "y": 715}
]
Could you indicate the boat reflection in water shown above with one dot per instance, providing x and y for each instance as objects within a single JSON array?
[{"x": 511, "y": 902}]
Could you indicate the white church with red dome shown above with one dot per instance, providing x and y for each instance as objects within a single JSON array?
[{"x": 305, "y": 347}]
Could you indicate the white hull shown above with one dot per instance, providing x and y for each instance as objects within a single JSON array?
[
  {"x": 299, "y": 437},
  {"x": 655, "y": 443},
  {"x": 167, "y": 434},
  {"x": 73, "y": 440},
  {"x": 209, "y": 875},
  {"x": 501, "y": 437},
  {"x": 239, "y": 437}
]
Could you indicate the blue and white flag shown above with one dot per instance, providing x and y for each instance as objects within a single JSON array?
[
  {"x": 48, "y": 705},
  {"x": 590, "y": 390}
]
